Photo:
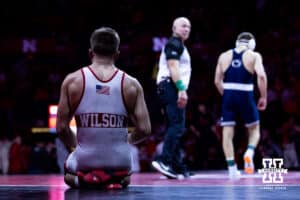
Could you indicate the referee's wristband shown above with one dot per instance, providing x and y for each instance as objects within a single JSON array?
[{"x": 179, "y": 85}]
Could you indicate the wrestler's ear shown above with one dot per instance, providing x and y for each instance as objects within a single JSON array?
[
  {"x": 116, "y": 55},
  {"x": 91, "y": 53}
]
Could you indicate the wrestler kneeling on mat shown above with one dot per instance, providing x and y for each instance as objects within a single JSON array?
[{"x": 102, "y": 98}]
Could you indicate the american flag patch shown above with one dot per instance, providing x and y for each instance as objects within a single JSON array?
[{"x": 102, "y": 89}]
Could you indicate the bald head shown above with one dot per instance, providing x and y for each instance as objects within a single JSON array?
[
  {"x": 181, "y": 28},
  {"x": 180, "y": 20}
]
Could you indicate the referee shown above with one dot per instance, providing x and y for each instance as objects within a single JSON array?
[{"x": 172, "y": 83}]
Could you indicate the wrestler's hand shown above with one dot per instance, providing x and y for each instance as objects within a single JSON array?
[
  {"x": 262, "y": 103},
  {"x": 182, "y": 99},
  {"x": 134, "y": 138}
]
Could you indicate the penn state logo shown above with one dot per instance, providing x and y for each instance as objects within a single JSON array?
[{"x": 236, "y": 63}]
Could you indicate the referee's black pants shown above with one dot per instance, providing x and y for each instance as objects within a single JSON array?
[{"x": 168, "y": 95}]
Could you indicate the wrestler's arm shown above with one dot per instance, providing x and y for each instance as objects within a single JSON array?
[
  {"x": 137, "y": 110},
  {"x": 261, "y": 81},
  {"x": 65, "y": 114},
  {"x": 219, "y": 75}
]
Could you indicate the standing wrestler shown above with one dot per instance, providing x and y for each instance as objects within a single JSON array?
[
  {"x": 234, "y": 79},
  {"x": 172, "y": 83},
  {"x": 102, "y": 98}
]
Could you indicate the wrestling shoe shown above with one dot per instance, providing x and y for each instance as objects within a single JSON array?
[
  {"x": 248, "y": 164},
  {"x": 234, "y": 173}
]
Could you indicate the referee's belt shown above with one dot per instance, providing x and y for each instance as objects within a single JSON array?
[{"x": 165, "y": 78}]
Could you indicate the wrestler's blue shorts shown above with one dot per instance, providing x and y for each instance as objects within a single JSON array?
[{"x": 239, "y": 104}]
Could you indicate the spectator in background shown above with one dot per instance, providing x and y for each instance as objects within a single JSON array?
[
  {"x": 39, "y": 158},
  {"x": 5, "y": 145},
  {"x": 19, "y": 157},
  {"x": 267, "y": 147},
  {"x": 52, "y": 158},
  {"x": 289, "y": 136}
]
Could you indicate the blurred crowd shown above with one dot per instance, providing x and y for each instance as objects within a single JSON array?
[{"x": 48, "y": 39}]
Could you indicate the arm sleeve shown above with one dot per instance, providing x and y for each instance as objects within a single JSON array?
[{"x": 173, "y": 49}]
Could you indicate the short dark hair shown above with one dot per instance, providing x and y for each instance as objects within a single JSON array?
[
  {"x": 105, "y": 41},
  {"x": 245, "y": 36}
]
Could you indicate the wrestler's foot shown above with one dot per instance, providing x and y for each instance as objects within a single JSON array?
[
  {"x": 248, "y": 164},
  {"x": 234, "y": 173}
]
